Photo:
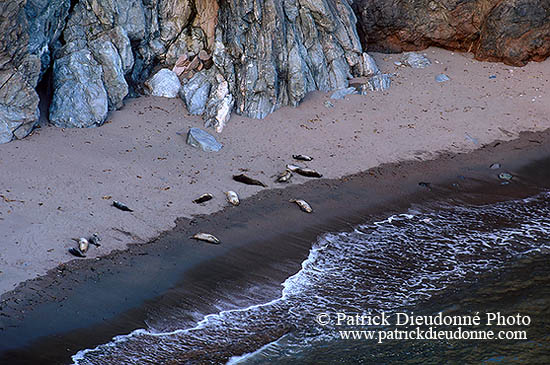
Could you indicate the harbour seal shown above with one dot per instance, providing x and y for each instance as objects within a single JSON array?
[
  {"x": 302, "y": 204},
  {"x": 308, "y": 172},
  {"x": 232, "y": 197},
  {"x": 76, "y": 252},
  {"x": 83, "y": 245},
  {"x": 206, "y": 237},
  {"x": 242, "y": 178},
  {"x": 302, "y": 157},
  {"x": 203, "y": 198},
  {"x": 94, "y": 240},
  {"x": 293, "y": 168},
  {"x": 121, "y": 206},
  {"x": 284, "y": 177}
]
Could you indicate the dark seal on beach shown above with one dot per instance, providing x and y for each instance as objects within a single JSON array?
[
  {"x": 121, "y": 206},
  {"x": 242, "y": 178},
  {"x": 203, "y": 198}
]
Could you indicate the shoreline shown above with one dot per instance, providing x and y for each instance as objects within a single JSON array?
[
  {"x": 87, "y": 302},
  {"x": 61, "y": 182}
]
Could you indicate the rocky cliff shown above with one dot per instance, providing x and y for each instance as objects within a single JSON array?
[
  {"x": 246, "y": 56},
  {"x": 511, "y": 31}
]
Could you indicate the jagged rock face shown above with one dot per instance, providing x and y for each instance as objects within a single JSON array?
[
  {"x": 517, "y": 31},
  {"x": 19, "y": 73},
  {"x": 46, "y": 20},
  {"x": 266, "y": 54},
  {"x": 261, "y": 55},
  {"x": 254, "y": 56},
  {"x": 512, "y": 31},
  {"x": 274, "y": 54}
]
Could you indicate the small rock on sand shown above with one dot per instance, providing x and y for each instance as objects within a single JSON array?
[
  {"x": 198, "y": 138},
  {"x": 442, "y": 78},
  {"x": 416, "y": 60}
]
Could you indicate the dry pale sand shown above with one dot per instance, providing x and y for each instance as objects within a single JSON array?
[{"x": 58, "y": 184}]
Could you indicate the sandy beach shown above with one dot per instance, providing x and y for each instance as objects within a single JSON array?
[
  {"x": 84, "y": 303},
  {"x": 58, "y": 184}
]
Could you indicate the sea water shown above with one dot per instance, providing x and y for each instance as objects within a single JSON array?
[{"x": 426, "y": 260}]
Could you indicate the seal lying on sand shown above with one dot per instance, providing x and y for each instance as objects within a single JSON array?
[
  {"x": 302, "y": 204},
  {"x": 76, "y": 252},
  {"x": 203, "y": 198},
  {"x": 302, "y": 157},
  {"x": 94, "y": 240},
  {"x": 121, "y": 206},
  {"x": 206, "y": 237},
  {"x": 284, "y": 177},
  {"x": 232, "y": 197},
  {"x": 81, "y": 249},
  {"x": 293, "y": 168},
  {"x": 308, "y": 172},
  {"x": 242, "y": 178}
]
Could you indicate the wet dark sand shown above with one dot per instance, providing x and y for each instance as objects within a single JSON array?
[{"x": 86, "y": 302}]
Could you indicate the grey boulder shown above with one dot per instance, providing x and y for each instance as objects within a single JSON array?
[
  {"x": 164, "y": 83},
  {"x": 416, "y": 60},
  {"x": 195, "y": 93},
  {"x": 79, "y": 98},
  {"x": 107, "y": 56},
  {"x": 200, "y": 139}
]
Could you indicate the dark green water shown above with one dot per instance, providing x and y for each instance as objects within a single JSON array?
[{"x": 522, "y": 287}]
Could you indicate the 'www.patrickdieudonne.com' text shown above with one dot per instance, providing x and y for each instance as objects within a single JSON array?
[
  {"x": 488, "y": 326},
  {"x": 432, "y": 334}
]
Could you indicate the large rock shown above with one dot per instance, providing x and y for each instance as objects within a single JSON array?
[
  {"x": 512, "y": 31},
  {"x": 19, "y": 107},
  {"x": 195, "y": 93},
  {"x": 24, "y": 45},
  {"x": 79, "y": 99},
  {"x": 273, "y": 55},
  {"x": 164, "y": 83},
  {"x": 108, "y": 57}
]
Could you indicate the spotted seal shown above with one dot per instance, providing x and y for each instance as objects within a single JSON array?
[
  {"x": 284, "y": 177},
  {"x": 302, "y": 204},
  {"x": 203, "y": 198},
  {"x": 206, "y": 237},
  {"x": 232, "y": 197}
]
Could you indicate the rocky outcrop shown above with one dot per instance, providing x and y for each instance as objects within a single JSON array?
[
  {"x": 22, "y": 56},
  {"x": 511, "y": 31},
  {"x": 273, "y": 55},
  {"x": 245, "y": 56}
]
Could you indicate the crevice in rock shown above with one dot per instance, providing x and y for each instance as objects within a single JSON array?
[{"x": 44, "y": 89}]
